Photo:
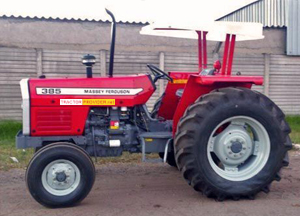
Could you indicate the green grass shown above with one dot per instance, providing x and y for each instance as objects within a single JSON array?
[
  {"x": 8, "y": 130},
  {"x": 294, "y": 122}
]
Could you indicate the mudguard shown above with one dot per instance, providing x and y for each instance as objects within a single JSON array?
[{"x": 195, "y": 86}]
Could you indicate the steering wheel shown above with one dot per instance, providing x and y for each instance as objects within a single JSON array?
[{"x": 158, "y": 73}]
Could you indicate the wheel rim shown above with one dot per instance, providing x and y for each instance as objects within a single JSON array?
[
  {"x": 238, "y": 148},
  {"x": 61, "y": 177}
]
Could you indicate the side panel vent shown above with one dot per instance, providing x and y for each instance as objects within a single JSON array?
[{"x": 54, "y": 120}]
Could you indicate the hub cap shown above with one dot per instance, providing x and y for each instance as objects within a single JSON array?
[
  {"x": 61, "y": 177},
  {"x": 240, "y": 150}
]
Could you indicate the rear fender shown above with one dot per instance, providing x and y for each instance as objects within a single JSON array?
[
  {"x": 201, "y": 85},
  {"x": 170, "y": 100}
]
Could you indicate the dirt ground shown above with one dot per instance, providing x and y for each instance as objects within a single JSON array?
[{"x": 152, "y": 189}]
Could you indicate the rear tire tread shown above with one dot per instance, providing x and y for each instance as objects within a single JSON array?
[{"x": 194, "y": 114}]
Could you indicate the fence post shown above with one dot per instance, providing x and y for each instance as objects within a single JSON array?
[
  {"x": 267, "y": 74},
  {"x": 39, "y": 62},
  {"x": 162, "y": 67},
  {"x": 103, "y": 63}
]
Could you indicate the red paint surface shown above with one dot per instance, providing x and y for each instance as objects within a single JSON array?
[
  {"x": 225, "y": 55},
  {"x": 199, "y": 85},
  {"x": 58, "y": 120},
  {"x": 217, "y": 66},
  {"x": 199, "y": 50},
  {"x": 231, "y": 53},
  {"x": 49, "y": 118},
  {"x": 204, "y": 50},
  {"x": 173, "y": 107},
  {"x": 170, "y": 100}
]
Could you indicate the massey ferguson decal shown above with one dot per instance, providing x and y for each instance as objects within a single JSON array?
[{"x": 88, "y": 91}]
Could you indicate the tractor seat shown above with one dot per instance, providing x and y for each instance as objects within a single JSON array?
[
  {"x": 179, "y": 93},
  {"x": 206, "y": 72}
]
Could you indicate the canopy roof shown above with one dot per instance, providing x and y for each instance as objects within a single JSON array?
[{"x": 216, "y": 30}]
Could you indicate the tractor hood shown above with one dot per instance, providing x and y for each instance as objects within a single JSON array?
[{"x": 68, "y": 100}]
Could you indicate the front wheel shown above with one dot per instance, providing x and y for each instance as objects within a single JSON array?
[
  {"x": 232, "y": 143},
  {"x": 60, "y": 175}
]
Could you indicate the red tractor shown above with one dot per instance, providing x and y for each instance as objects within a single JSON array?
[{"x": 227, "y": 140}]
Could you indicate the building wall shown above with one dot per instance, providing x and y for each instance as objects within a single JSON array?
[
  {"x": 30, "y": 48},
  {"x": 93, "y": 36}
]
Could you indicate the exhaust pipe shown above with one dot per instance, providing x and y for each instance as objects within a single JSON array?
[{"x": 112, "y": 44}]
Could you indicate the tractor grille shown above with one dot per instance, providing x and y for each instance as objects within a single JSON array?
[{"x": 54, "y": 120}]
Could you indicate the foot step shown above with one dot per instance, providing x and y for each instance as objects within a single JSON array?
[
  {"x": 153, "y": 160},
  {"x": 154, "y": 142}
]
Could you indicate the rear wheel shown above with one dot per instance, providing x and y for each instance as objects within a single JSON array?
[
  {"x": 60, "y": 174},
  {"x": 232, "y": 143}
]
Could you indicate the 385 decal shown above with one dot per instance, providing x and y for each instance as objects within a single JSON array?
[{"x": 50, "y": 91}]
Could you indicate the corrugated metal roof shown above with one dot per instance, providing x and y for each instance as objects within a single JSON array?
[
  {"x": 133, "y": 11},
  {"x": 68, "y": 19},
  {"x": 271, "y": 13},
  {"x": 293, "y": 37},
  {"x": 71, "y": 10}
]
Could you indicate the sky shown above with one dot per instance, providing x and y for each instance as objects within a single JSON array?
[{"x": 125, "y": 10}]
